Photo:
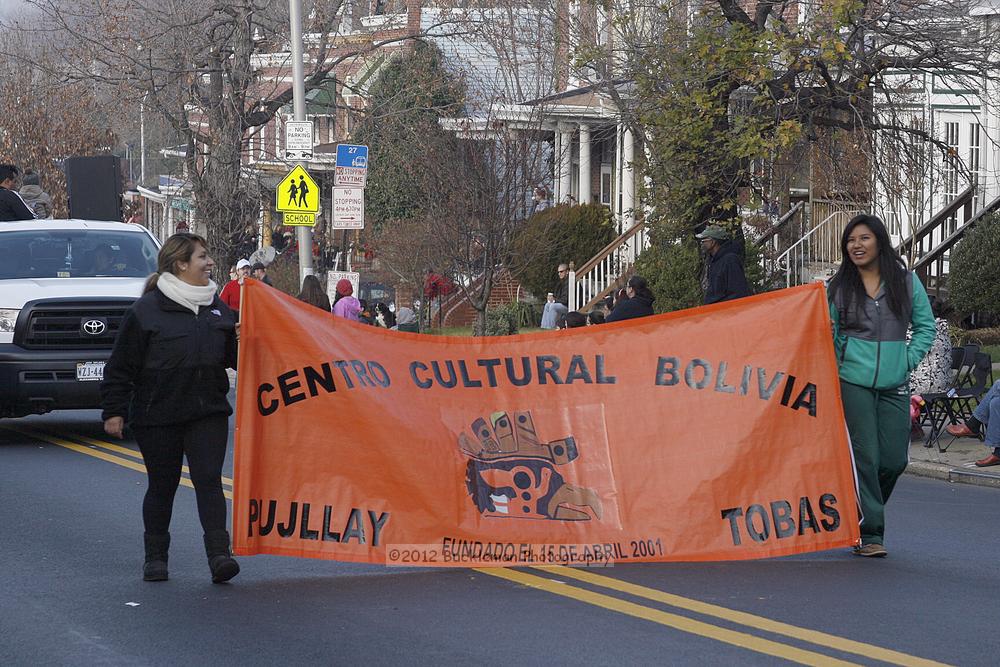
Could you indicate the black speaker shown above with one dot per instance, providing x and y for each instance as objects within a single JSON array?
[{"x": 94, "y": 187}]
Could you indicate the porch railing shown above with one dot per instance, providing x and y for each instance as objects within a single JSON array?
[
  {"x": 816, "y": 251},
  {"x": 931, "y": 266},
  {"x": 597, "y": 278}
]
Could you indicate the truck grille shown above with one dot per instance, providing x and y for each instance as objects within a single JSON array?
[{"x": 62, "y": 326}]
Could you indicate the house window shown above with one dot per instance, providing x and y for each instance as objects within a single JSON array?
[
  {"x": 263, "y": 142},
  {"x": 606, "y": 181},
  {"x": 950, "y": 171},
  {"x": 975, "y": 160}
]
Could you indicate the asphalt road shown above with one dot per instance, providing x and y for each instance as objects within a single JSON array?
[{"x": 71, "y": 592}]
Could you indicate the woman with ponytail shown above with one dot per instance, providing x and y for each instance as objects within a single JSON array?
[
  {"x": 167, "y": 377},
  {"x": 873, "y": 300}
]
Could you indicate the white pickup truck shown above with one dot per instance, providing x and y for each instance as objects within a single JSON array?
[{"x": 64, "y": 287}]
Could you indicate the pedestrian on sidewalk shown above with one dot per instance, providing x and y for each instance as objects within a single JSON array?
[
  {"x": 726, "y": 279},
  {"x": 36, "y": 199},
  {"x": 259, "y": 272},
  {"x": 639, "y": 301},
  {"x": 313, "y": 293},
  {"x": 345, "y": 304},
  {"x": 873, "y": 298},
  {"x": 987, "y": 414},
  {"x": 231, "y": 292},
  {"x": 167, "y": 376},
  {"x": 12, "y": 207}
]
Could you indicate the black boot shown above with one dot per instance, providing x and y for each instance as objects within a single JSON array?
[
  {"x": 220, "y": 559},
  {"x": 155, "y": 567}
]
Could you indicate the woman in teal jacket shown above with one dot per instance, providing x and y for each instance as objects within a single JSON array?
[{"x": 873, "y": 299}]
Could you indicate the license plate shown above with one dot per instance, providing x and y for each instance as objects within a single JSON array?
[{"x": 87, "y": 371}]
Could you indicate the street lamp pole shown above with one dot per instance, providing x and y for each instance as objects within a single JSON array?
[{"x": 304, "y": 233}]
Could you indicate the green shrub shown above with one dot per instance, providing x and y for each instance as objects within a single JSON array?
[
  {"x": 525, "y": 314},
  {"x": 984, "y": 336},
  {"x": 975, "y": 269},
  {"x": 555, "y": 235},
  {"x": 672, "y": 271},
  {"x": 500, "y": 321}
]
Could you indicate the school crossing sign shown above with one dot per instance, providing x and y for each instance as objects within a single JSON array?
[{"x": 297, "y": 196}]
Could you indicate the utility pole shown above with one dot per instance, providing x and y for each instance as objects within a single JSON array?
[
  {"x": 142, "y": 140},
  {"x": 303, "y": 233}
]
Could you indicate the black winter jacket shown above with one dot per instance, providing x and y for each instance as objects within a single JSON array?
[
  {"x": 726, "y": 280},
  {"x": 627, "y": 309},
  {"x": 562, "y": 292},
  {"x": 169, "y": 365},
  {"x": 12, "y": 207}
]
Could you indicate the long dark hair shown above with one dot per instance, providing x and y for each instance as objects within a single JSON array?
[
  {"x": 178, "y": 248},
  {"x": 847, "y": 281},
  {"x": 640, "y": 287},
  {"x": 313, "y": 293}
]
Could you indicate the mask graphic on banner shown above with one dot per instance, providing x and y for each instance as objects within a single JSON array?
[{"x": 512, "y": 475}]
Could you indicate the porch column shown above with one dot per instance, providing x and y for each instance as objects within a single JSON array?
[
  {"x": 565, "y": 162},
  {"x": 584, "y": 197},
  {"x": 628, "y": 179},
  {"x": 556, "y": 164}
]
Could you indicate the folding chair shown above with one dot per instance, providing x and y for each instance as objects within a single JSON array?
[
  {"x": 957, "y": 404},
  {"x": 964, "y": 375},
  {"x": 962, "y": 361}
]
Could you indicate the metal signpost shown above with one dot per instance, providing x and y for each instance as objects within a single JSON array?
[{"x": 304, "y": 232}]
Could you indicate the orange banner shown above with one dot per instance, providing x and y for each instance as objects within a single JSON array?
[{"x": 709, "y": 434}]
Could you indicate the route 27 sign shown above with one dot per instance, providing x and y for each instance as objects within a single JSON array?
[{"x": 352, "y": 166}]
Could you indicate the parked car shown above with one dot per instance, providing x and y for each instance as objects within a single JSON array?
[
  {"x": 64, "y": 288},
  {"x": 374, "y": 292}
]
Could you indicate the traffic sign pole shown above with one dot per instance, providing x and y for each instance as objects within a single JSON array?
[{"x": 304, "y": 234}]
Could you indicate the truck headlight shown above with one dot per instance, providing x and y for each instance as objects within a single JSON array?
[{"x": 8, "y": 318}]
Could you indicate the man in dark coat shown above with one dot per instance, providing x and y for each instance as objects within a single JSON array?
[
  {"x": 12, "y": 207},
  {"x": 726, "y": 279}
]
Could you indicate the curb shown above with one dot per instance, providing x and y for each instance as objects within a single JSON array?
[{"x": 954, "y": 475}]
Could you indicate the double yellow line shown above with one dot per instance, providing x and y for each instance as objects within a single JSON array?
[
  {"x": 104, "y": 450},
  {"x": 701, "y": 628},
  {"x": 545, "y": 581}
]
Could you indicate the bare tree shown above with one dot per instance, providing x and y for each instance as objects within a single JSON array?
[
  {"x": 211, "y": 70},
  {"x": 47, "y": 120}
]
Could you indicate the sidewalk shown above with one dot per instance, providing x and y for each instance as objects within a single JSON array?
[{"x": 955, "y": 464}]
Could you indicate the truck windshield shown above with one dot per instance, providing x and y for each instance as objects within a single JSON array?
[{"x": 76, "y": 254}]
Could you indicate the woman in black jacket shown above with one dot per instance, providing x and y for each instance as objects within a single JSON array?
[
  {"x": 638, "y": 304},
  {"x": 167, "y": 375}
]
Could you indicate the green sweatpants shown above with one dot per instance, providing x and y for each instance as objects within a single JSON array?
[{"x": 879, "y": 424}]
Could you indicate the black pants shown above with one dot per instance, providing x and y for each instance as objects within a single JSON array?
[{"x": 163, "y": 448}]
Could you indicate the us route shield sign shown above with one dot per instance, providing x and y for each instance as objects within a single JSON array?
[{"x": 297, "y": 193}]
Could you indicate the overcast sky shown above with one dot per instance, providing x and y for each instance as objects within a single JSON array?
[{"x": 9, "y": 7}]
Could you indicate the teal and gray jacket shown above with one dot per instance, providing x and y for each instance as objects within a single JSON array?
[{"x": 871, "y": 349}]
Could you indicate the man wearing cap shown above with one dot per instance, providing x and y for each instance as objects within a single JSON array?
[
  {"x": 231, "y": 292},
  {"x": 259, "y": 272},
  {"x": 726, "y": 279}
]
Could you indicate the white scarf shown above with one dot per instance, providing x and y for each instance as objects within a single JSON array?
[{"x": 185, "y": 294}]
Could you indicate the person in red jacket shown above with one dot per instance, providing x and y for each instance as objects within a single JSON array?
[{"x": 231, "y": 292}]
